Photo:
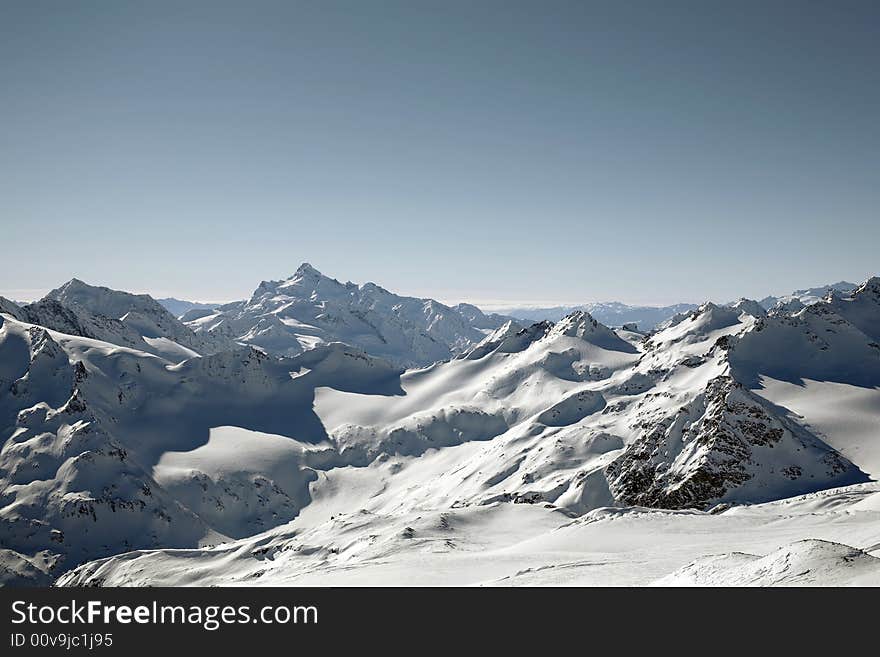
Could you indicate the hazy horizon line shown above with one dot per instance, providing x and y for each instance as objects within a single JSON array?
[{"x": 29, "y": 295}]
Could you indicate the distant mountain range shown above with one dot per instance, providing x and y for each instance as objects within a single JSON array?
[
  {"x": 322, "y": 430},
  {"x": 289, "y": 316},
  {"x": 611, "y": 313},
  {"x": 810, "y": 295},
  {"x": 178, "y": 307},
  {"x": 647, "y": 318}
]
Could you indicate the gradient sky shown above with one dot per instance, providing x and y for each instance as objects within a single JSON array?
[{"x": 532, "y": 152}]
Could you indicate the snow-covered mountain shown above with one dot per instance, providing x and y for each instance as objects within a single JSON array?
[
  {"x": 610, "y": 313},
  {"x": 809, "y": 295},
  {"x": 563, "y": 452},
  {"x": 289, "y": 316},
  {"x": 130, "y": 320},
  {"x": 96, "y": 438},
  {"x": 647, "y": 318}
]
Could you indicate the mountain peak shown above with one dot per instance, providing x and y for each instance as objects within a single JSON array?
[
  {"x": 579, "y": 319},
  {"x": 78, "y": 291},
  {"x": 306, "y": 269},
  {"x": 370, "y": 286},
  {"x": 75, "y": 284},
  {"x": 750, "y": 307}
]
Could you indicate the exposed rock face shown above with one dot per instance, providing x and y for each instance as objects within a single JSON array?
[
  {"x": 73, "y": 320},
  {"x": 10, "y": 308},
  {"x": 727, "y": 445}
]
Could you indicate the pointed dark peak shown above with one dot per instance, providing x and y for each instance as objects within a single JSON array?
[{"x": 72, "y": 284}]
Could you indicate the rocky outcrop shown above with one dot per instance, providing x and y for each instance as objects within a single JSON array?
[{"x": 726, "y": 445}]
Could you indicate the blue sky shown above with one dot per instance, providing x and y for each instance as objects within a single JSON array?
[{"x": 538, "y": 152}]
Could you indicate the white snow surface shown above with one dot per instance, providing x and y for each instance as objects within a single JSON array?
[
  {"x": 731, "y": 447},
  {"x": 528, "y": 545}
]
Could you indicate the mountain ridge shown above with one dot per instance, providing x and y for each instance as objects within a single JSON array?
[
  {"x": 290, "y": 315},
  {"x": 109, "y": 448}
]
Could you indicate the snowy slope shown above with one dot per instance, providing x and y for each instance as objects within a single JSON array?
[
  {"x": 801, "y": 563},
  {"x": 727, "y": 444},
  {"x": 526, "y": 545},
  {"x": 542, "y": 453},
  {"x": 90, "y": 429},
  {"x": 69, "y": 486},
  {"x": 76, "y": 320}
]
